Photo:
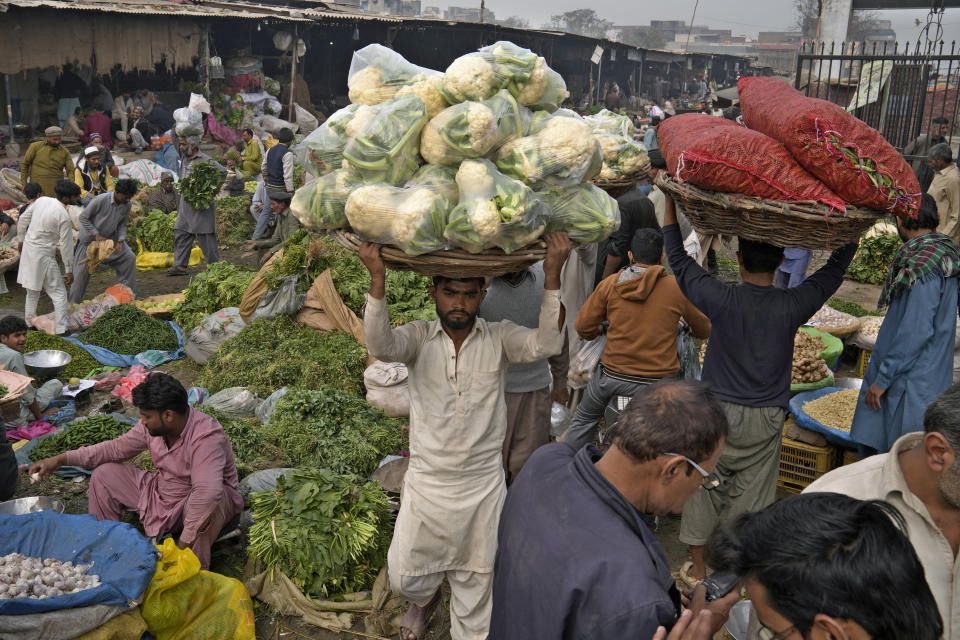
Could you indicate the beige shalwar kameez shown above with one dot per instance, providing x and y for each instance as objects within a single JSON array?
[{"x": 454, "y": 488}]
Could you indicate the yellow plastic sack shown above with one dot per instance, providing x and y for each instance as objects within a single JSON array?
[
  {"x": 147, "y": 260},
  {"x": 184, "y": 603}
]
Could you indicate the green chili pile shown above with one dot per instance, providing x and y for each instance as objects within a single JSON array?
[
  {"x": 201, "y": 186},
  {"x": 82, "y": 363},
  {"x": 127, "y": 330},
  {"x": 82, "y": 432}
]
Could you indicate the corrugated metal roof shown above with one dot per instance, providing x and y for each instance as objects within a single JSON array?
[{"x": 142, "y": 7}]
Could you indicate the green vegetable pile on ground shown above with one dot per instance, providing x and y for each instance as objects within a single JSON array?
[
  {"x": 82, "y": 363},
  {"x": 155, "y": 232},
  {"x": 82, "y": 432},
  {"x": 269, "y": 354},
  {"x": 201, "y": 186},
  {"x": 127, "y": 330},
  {"x": 345, "y": 518},
  {"x": 334, "y": 429},
  {"x": 234, "y": 222},
  {"x": 295, "y": 260},
  {"x": 3, "y": 390},
  {"x": 250, "y": 450},
  {"x": 873, "y": 258},
  {"x": 852, "y": 308},
  {"x": 221, "y": 285}
]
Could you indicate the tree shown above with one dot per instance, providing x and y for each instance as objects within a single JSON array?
[
  {"x": 808, "y": 14},
  {"x": 646, "y": 38},
  {"x": 516, "y": 22},
  {"x": 584, "y": 22}
]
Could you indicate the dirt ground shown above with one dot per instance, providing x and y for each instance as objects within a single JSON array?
[{"x": 232, "y": 562}]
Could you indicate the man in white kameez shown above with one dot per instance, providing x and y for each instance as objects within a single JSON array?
[
  {"x": 454, "y": 487},
  {"x": 42, "y": 227}
]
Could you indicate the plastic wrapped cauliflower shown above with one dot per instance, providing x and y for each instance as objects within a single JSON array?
[
  {"x": 378, "y": 74},
  {"x": 587, "y": 213},
  {"x": 473, "y": 129},
  {"x": 440, "y": 178},
  {"x": 412, "y": 218},
  {"x": 387, "y": 148},
  {"x": 504, "y": 65},
  {"x": 494, "y": 210},
  {"x": 605, "y": 121},
  {"x": 322, "y": 150},
  {"x": 319, "y": 204},
  {"x": 622, "y": 157},
  {"x": 561, "y": 153}
]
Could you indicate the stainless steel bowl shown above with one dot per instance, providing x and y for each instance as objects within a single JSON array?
[
  {"x": 22, "y": 506},
  {"x": 848, "y": 383},
  {"x": 47, "y": 362}
]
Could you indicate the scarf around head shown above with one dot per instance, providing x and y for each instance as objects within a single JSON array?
[{"x": 916, "y": 259}]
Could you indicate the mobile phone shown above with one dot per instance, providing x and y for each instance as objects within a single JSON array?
[{"x": 720, "y": 584}]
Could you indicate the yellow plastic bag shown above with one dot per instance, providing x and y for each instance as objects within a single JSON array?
[
  {"x": 147, "y": 260},
  {"x": 183, "y": 602}
]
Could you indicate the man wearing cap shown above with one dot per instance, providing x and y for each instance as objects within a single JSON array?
[
  {"x": 46, "y": 162},
  {"x": 278, "y": 163},
  {"x": 106, "y": 158},
  {"x": 91, "y": 176},
  {"x": 287, "y": 225},
  {"x": 106, "y": 218},
  {"x": 95, "y": 123},
  {"x": 165, "y": 198},
  {"x": 191, "y": 223}
]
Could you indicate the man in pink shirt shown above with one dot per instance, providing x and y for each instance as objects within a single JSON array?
[
  {"x": 95, "y": 123},
  {"x": 194, "y": 492}
]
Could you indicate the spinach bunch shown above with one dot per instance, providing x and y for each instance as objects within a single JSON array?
[{"x": 201, "y": 186}]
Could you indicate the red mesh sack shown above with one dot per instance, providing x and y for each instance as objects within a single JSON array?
[
  {"x": 720, "y": 155},
  {"x": 850, "y": 157}
]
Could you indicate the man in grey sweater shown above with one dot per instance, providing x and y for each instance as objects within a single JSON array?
[{"x": 516, "y": 297}]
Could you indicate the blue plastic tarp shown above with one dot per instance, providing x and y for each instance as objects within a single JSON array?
[
  {"x": 23, "y": 453},
  {"x": 121, "y": 556},
  {"x": 148, "y": 359},
  {"x": 833, "y": 436}
]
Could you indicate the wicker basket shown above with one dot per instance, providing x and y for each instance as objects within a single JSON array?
[
  {"x": 452, "y": 263},
  {"x": 8, "y": 263},
  {"x": 620, "y": 186},
  {"x": 803, "y": 225}
]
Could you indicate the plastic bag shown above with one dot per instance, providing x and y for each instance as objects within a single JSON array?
[
  {"x": 387, "y": 148},
  {"x": 412, "y": 218},
  {"x": 320, "y": 203},
  {"x": 183, "y": 602},
  {"x": 322, "y": 150},
  {"x": 305, "y": 119},
  {"x": 198, "y": 103},
  {"x": 378, "y": 74},
  {"x": 234, "y": 402},
  {"x": 284, "y": 300},
  {"x": 583, "y": 364},
  {"x": 265, "y": 408},
  {"x": 494, "y": 210},
  {"x": 560, "y": 418},
  {"x": 622, "y": 157},
  {"x": 188, "y": 122},
  {"x": 129, "y": 382},
  {"x": 473, "y": 129},
  {"x": 387, "y": 387},
  {"x": 687, "y": 353},
  {"x": 263, "y": 480},
  {"x": 82, "y": 315},
  {"x": 504, "y": 65},
  {"x": 204, "y": 339},
  {"x": 562, "y": 153},
  {"x": 605, "y": 121},
  {"x": 587, "y": 213}
]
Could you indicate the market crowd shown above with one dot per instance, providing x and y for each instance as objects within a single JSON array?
[{"x": 541, "y": 539}]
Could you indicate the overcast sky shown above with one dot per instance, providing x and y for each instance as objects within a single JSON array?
[{"x": 743, "y": 17}]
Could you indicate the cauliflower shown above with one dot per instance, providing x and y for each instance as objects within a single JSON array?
[
  {"x": 621, "y": 156},
  {"x": 365, "y": 87},
  {"x": 470, "y": 77},
  {"x": 631, "y": 165},
  {"x": 427, "y": 88},
  {"x": 610, "y": 147},
  {"x": 485, "y": 219},
  {"x": 608, "y": 173},
  {"x": 411, "y": 218},
  {"x": 563, "y": 153},
  {"x": 474, "y": 177},
  {"x": 545, "y": 88},
  {"x": 480, "y": 125},
  {"x": 362, "y": 119}
]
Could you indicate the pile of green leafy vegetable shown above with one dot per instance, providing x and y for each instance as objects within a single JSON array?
[
  {"x": 3, "y": 390},
  {"x": 221, "y": 285},
  {"x": 155, "y": 232},
  {"x": 127, "y": 330},
  {"x": 346, "y": 519},
  {"x": 873, "y": 258},
  {"x": 294, "y": 261},
  {"x": 82, "y": 362},
  {"x": 269, "y": 354},
  {"x": 331, "y": 428},
  {"x": 234, "y": 222},
  {"x": 80, "y": 433},
  {"x": 201, "y": 186},
  {"x": 852, "y": 308},
  {"x": 250, "y": 450}
]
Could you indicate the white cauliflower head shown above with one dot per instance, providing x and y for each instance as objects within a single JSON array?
[
  {"x": 481, "y": 122},
  {"x": 536, "y": 85},
  {"x": 367, "y": 212},
  {"x": 607, "y": 172},
  {"x": 362, "y": 119},
  {"x": 433, "y": 147},
  {"x": 474, "y": 180},
  {"x": 610, "y": 146},
  {"x": 470, "y": 77},
  {"x": 485, "y": 219},
  {"x": 631, "y": 165},
  {"x": 568, "y": 142},
  {"x": 427, "y": 88},
  {"x": 366, "y": 88}
]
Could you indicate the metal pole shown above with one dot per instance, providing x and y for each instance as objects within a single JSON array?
[
  {"x": 483, "y": 9},
  {"x": 9, "y": 101},
  {"x": 690, "y": 30},
  {"x": 599, "y": 78},
  {"x": 206, "y": 61},
  {"x": 291, "y": 116}
]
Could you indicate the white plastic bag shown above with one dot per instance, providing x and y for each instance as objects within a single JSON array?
[
  {"x": 320, "y": 203},
  {"x": 412, "y": 218},
  {"x": 305, "y": 120},
  {"x": 586, "y": 212},
  {"x": 384, "y": 141},
  {"x": 188, "y": 122},
  {"x": 264, "y": 480},
  {"x": 473, "y": 129},
  {"x": 560, "y": 418},
  {"x": 198, "y": 103},
  {"x": 585, "y": 362},
  {"x": 265, "y": 408},
  {"x": 378, "y": 74},
  {"x": 322, "y": 150},
  {"x": 203, "y": 340},
  {"x": 560, "y": 151},
  {"x": 234, "y": 402},
  {"x": 284, "y": 300},
  {"x": 605, "y": 121},
  {"x": 622, "y": 157},
  {"x": 387, "y": 388}
]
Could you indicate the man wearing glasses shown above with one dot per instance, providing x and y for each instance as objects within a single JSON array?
[
  {"x": 575, "y": 556},
  {"x": 828, "y": 567}
]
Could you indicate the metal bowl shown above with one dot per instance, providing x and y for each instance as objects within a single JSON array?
[
  {"x": 22, "y": 506},
  {"x": 848, "y": 383},
  {"x": 47, "y": 362}
]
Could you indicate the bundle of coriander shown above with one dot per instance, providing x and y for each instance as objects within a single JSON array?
[{"x": 221, "y": 285}]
